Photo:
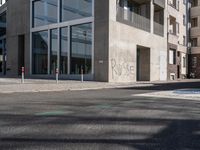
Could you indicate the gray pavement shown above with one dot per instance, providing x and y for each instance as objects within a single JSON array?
[
  {"x": 108, "y": 119},
  {"x": 14, "y": 85}
]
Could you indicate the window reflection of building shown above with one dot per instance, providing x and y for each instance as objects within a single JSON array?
[
  {"x": 40, "y": 52},
  {"x": 76, "y": 9},
  {"x": 45, "y": 12},
  {"x": 81, "y": 49},
  {"x": 64, "y": 51},
  {"x": 54, "y": 50}
]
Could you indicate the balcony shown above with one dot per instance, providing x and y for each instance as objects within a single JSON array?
[
  {"x": 158, "y": 29},
  {"x": 133, "y": 19},
  {"x": 158, "y": 20}
]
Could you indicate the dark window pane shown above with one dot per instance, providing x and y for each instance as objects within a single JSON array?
[
  {"x": 81, "y": 48},
  {"x": 40, "y": 52},
  {"x": 64, "y": 51},
  {"x": 45, "y": 12},
  {"x": 76, "y": 9},
  {"x": 54, "y": 50}
]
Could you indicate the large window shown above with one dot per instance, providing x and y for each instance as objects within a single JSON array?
[
  {"x": 67, "y": 43},
  {"x": 75, "y": 9},
  {"x": 64, "y": 51},
  {"x": 194, "y": 3},
  {"x": 81, "y": 48},
  {"x": 40, "y": 52},
  {"x": 45, "y": 12},
  {"x": 194, "y": 22},
  {"x": 54, "y": 50}
]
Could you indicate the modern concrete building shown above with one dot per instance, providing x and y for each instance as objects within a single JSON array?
[
  {"x": 112, "y": 41},
  {"x": 107, "y": 40},
  {"x": 195, "y": 39}
]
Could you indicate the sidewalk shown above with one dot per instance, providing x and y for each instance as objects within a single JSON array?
[{"x": 14, "y": 85}]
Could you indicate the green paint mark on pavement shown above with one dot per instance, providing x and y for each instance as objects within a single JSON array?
[
  {"x": 51, "y": 113},
  {"x": 105, "y": 106}
]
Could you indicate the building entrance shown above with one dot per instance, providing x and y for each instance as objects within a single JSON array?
[
  {"x": 2, "y": 56},
  {"x": 143, "y": 63}
]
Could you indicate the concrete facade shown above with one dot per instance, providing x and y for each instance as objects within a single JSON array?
[
  {"x": 18, "y": 24},
  {"x": 123, "y": 42},
  {"x": 124, "y": 50}
]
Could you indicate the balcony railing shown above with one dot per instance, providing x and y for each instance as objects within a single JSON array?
[
  {"x": 160, "y": 3},
  {"x": 130, "y": 18},
  {"x": 158, "y": 29}
]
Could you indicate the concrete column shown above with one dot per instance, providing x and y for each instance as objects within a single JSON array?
[
  {"x": 152, "y": 16},
  {"x": 166, "y": 20}
]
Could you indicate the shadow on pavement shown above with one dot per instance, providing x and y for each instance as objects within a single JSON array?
[
  {"x": 177, "y": 135},
  {"x": 167, "y": 86}
]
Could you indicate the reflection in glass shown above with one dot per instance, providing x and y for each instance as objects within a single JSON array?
[
  {"x": 54, "y": 50},
  {"x": 81, "y": 49},
  {"x": 75, "y": 9},
  {"x": 45, "y": 12},
  {"x": 64, "y": 51},
  {"x": 40, "y": 52}
]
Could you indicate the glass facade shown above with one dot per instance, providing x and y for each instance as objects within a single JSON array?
[
  {"x": 81, "y": 48},
  {"x": 40, "y": 52},
  {"x": 64, "y": 50},
  {"x": 75, "y": 9},
  {"x": 54, "y": 50},
  {"x": 45, "y": 12},
  {"x": 67, "y": 44}
]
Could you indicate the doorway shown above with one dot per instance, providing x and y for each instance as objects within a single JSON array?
[
  {"x": 178, "y": 71},
  {"x": 143, "y": 63},
  {"x": 21, "y": 53}
]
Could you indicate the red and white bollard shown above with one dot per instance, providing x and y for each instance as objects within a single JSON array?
[
  {"x": 57, "y": 72},
  {"x": 23, "y": 75}
]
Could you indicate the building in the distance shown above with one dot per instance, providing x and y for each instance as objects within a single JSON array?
[
  {"x": 194, "y": 56},
  {"x": 178, "y": 32},
  {"x": 107, "y": 40}
]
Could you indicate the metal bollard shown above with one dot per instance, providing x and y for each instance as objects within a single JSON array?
[
  {"x": 57, "y": 75},
  {"x": 22, "y": 75},
  {"x": 82, "y": 75}
]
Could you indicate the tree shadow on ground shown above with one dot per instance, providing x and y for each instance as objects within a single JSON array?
[{"x": 167, "y": 86}]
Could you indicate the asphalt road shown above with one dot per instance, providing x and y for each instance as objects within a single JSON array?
[{"x": 112, "y": 119}]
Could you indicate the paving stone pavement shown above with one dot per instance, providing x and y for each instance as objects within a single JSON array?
[{"x": 10, "y": 85}]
